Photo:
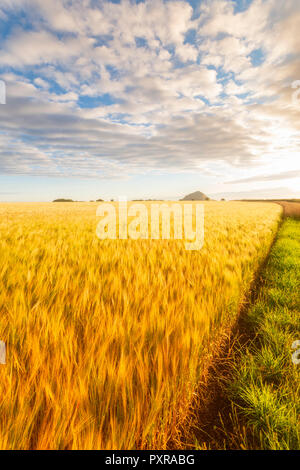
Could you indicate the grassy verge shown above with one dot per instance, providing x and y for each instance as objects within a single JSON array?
[{"x": 264, "y": 385}]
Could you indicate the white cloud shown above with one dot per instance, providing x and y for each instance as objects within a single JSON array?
[{"x": 166, "y": 107}]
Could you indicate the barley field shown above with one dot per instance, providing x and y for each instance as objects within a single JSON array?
[{"x": 107, "y": 340}]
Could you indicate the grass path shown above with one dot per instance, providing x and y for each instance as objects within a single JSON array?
[
  {"x": 265, "y": 384},
  {"x": 255, "y": 397}
]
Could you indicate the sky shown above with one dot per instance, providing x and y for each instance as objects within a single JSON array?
[{"x": 149, "y": 99}]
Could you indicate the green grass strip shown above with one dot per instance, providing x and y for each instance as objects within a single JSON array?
[{"x": 265, "y": 384}]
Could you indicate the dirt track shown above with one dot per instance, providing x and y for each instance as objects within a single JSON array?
[{"x": 291, "y": 209}]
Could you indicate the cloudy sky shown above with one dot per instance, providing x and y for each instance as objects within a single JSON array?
[{"x": 149, "y": 98}]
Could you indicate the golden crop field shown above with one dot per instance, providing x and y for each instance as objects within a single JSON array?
[{"x": 107, "y": 339}]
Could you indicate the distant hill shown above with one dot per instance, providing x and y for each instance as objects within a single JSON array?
[{"x": 196, "y": 196}]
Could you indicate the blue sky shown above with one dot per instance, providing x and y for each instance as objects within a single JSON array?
[{"x": 149, "y": 98}]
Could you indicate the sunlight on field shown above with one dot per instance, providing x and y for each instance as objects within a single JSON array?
[{"x": 106, "y": 339}]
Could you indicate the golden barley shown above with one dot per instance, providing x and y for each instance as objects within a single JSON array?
[{"x": 105, "y": 339}]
